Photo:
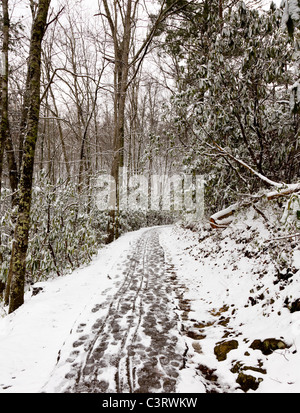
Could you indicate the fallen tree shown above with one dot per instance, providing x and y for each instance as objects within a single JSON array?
[{"x": 223, "y": 218}]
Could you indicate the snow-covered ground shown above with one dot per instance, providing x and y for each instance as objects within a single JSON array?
[
  {"x": 32, "y": 336},
  {"x": 228, "y": 290},
  {"x": 240, "y": 288}
]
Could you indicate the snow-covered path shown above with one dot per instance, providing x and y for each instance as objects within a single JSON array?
[
  {"x": 133, "y": 344},
  {"x": 150, "y": 313},
  {"x": 112, "y": 326}
]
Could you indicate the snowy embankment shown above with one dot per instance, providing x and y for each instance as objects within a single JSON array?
[
  {"x": 234, "y": 289},
  {"x": 243, "y": 302}
]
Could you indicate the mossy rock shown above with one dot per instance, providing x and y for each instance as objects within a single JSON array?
[
  {"x": 248, "y": 382},
  {"x": 239, "y": 367},
  {"x": 222, "y": 349},
  {"x": 268, "y": 346},
  {"x": 208, "y": 373},
  {"x": 224, "y": 321},
  {"x": 195, "y": 335}
]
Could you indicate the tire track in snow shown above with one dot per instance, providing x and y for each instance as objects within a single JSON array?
[{"x": 136, "y": 346}]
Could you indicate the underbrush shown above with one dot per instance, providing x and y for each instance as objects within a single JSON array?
[{"x": 67, "y": 229}]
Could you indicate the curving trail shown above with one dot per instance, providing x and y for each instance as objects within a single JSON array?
[{"x": 133, "y": 344}]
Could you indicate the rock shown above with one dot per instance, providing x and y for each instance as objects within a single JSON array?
[
  {"x": 268, "y": 346},
  {"x": 283, "y": 276},
  {"x": 247, "y": 382},
  {"x": 295, "y": 306},
  {"x": 239, "y": 367},
  {"x": 256, "y": 345},
  {"x": 208, "y": 373},
  {"x": 195, "y": 336},
  {"x": 221, "y": 349},
  {"x": 197, "y": 347},
  {"x": 36, "y": 290}
]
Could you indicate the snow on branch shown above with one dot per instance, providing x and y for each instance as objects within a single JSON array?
[
  {"x": 224, "y": 217},
  {"x": 289, "y": 189},
  {"x": 245, "y": 165}
]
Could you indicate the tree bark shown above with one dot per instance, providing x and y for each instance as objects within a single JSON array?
[
  {"x": 121, "y": 72},
  {"x": 25, "y": 186},
  {"x": 4, "y": 125},
  {"x": 12, "y": 168}
]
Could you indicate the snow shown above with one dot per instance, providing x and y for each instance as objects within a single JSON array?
[
  {"x": 217, "y": 272},
  {"x": 31, "y": 337},
  {"x": 296, "y": 258},
  {"x": 221, "y": 275},
  {"x": 227, "y": 211}
]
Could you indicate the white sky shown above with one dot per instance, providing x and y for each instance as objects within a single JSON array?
[{"x": 21, "y": 7}]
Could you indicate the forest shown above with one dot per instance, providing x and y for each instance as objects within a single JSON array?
[{"x": 200, "y": 87}]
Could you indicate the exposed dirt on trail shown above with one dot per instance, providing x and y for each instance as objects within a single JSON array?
[{"x": 135, "y": 345}]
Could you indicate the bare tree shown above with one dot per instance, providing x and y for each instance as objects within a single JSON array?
[
  {"x": 122, "y": 17},
  {"x": 72, "y": 59}
]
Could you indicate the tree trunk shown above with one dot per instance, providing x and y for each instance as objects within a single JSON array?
[
  {"x": 25, "y": 187},
  {"x": 4, "y": 125},
  {"x": 62, "y": 141},
  {"x": 23, "y": 120},
  {"x": 126, "y": 68},
  {"x": 121, "y": 71},
  {"x": 12, "y": 168}
]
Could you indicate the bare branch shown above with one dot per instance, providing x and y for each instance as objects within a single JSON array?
[
  {"x": 297, "y": 234},
  {"x": 55, "y": 18}
]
